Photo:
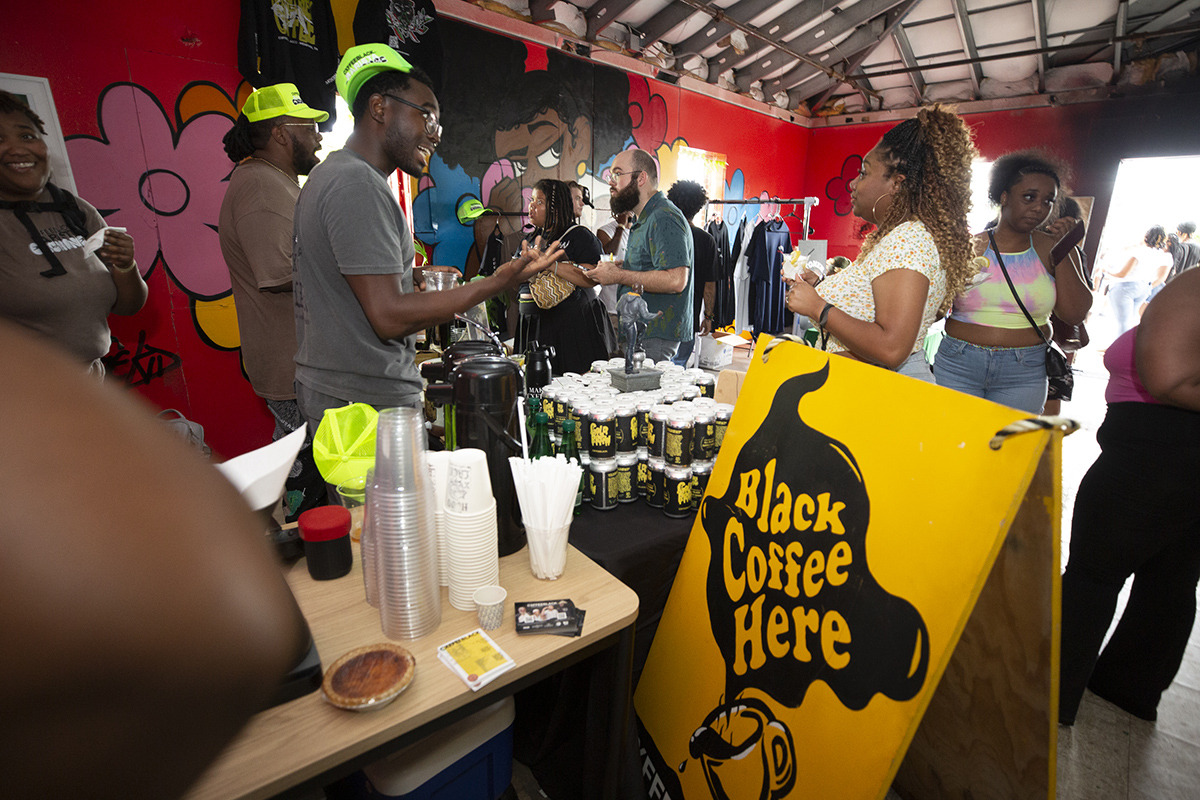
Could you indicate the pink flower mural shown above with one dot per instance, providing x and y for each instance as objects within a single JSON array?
[{"x": 164, "y": 184}]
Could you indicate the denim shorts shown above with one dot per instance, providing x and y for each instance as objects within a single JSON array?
[
  {"x": 915, "y": 366},
  {"x": 1011, "y": 376}
]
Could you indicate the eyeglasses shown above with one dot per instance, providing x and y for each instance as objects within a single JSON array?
[
  {"x": 432, "y": 127},
  {"x": 312, "y": 126},
  {"x": 614, "y": 176}
]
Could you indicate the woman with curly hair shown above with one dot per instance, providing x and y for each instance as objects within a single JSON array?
[
  {"x": 578, "y": 327},
  {"x": 915, "y": 187},
  {"x": 990, "y": 350}
]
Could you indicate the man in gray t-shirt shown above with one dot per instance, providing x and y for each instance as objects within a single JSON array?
[{"x": 358, "y": 301}]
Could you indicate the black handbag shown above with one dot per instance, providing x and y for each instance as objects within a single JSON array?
[
  {"x": 1067, "y": 336},
  {"x": 1060, "y": 379}
]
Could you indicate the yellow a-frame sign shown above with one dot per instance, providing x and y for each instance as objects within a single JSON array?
[{"x": 833, "y": 610}]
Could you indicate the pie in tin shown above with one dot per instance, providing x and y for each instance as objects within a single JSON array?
[{"x": 369, "y": 677}]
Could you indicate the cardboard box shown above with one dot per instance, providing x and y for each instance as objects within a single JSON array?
[{"x": 714, "y": 353}]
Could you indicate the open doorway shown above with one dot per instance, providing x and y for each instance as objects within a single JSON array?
[{"x": 1147, "y": 192}]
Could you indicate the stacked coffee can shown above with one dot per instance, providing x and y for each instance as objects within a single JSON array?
[{"x": 659, "y": 444}]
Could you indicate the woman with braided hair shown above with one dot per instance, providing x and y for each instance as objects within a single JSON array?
[
  {"x": 51, "y": 284},
  {"x": 915, "y": 187},
  {"x": 575, "y": 327},
  {"x": 990, "y": 349}
]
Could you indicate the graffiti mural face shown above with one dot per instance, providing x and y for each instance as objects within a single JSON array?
[
  {"x": 547, "y": 146},
  {"x": 515, "y": 113}
]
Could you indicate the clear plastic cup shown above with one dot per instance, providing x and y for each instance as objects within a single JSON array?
[
  {"x": 352, "y": 495},
  {"x": 547, "y": 551},
  {"x": 400, "y": 450},
  {"x": 439, "y": 280}
]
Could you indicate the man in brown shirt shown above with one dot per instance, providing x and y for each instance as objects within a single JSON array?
[{"x": 273, "y": 142}]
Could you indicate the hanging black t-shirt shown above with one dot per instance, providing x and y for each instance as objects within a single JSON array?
[
  {"x": 769, "y": 243},
  {"x": 704, "y": 248},
  {"x": 410, "y": 27},
  {"x": 289, "y": 41},
  {"x": 724, "y": 309}
]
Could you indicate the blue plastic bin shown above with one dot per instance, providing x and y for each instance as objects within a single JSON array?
[{"x": 470, "y": 760}]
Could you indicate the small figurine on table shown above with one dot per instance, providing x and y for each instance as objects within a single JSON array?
[{"x": 633, "y": 314}]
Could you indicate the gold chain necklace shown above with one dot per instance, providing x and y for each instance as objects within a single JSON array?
[{"x": 272, "y": 166}]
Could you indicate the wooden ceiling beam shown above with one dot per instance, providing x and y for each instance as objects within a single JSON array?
[
  {"x": 602, "y": 14},
  {"x": 962, "y": 18},
  {"x": 909, "y": 59},
  {"x": 742, "y": 11}
]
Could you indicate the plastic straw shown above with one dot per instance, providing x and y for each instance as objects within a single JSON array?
[
  {"x": 546, "y": 490},
  {"x": 524, "y": 432}
]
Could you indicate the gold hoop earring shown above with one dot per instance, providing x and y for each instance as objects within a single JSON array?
[{"x": 876, "y": 203}]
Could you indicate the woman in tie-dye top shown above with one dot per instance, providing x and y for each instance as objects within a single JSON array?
[{"x": 990, "y": 350}]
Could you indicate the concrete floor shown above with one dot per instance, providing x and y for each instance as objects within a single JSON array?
[{"x": 1108, "y": 754}]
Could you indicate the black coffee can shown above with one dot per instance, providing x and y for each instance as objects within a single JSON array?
[
  {"x": 678, "y": 490},
  {"x": 656, "y": 488}
]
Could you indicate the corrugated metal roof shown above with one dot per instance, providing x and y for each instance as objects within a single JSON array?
[{"x": 823, "y": 55}]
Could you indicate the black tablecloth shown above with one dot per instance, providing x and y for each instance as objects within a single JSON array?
[
  {"x": 641, "y": 547},
  {"x": 559, "y": 728}
]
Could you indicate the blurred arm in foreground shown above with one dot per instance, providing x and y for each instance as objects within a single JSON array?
[{"x": 143, "y": 618}]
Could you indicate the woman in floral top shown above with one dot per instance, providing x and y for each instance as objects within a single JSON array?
[{"x": 915, "y": 187}]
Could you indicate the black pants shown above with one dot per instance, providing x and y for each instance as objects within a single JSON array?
[{"x": 1137, "y": 513}]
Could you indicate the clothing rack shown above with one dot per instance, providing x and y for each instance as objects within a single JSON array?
[{"x": 808, "y": 202}]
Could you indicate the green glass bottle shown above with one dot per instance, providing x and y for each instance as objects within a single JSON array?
[
  {"x": 540, "y": 446},
  {"x": 571, "y": 453},
  {"x": 532, "y": 406}
]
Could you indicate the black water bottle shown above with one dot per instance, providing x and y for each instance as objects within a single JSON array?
[{"x": 538, "y": 371}]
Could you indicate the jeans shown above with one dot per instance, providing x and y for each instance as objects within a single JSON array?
[
  {"x": 1126, "y": 297},
  {"x": 304, "y": 487},
  {"x": 314, "y": 404},
  {"x": 660, "y": 349},
  {"x": 915, "y": 366},
  {"x": 686, "y": 348},
  {"x": 1011, "y": 376}
]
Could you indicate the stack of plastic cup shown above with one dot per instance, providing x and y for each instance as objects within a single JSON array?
[
  {"x": 402, "y": 522},
  {"x": 367, "y": 543},
  {"x": 472, "y": 543},
  {"x": 439, "y": 470}
]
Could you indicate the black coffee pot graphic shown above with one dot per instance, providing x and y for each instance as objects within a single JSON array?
[
  {"x": 790, "y": 593},
  {"x": 743, "y": 748}
]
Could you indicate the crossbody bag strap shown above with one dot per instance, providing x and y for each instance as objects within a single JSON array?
[{"x": 1013, "y": 289}]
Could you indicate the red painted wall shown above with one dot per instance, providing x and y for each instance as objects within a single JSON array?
[
  {"x": 85, "y": 48},
  {"x": 1092, "y": 138},
  {"x": 170, "y": 71}
]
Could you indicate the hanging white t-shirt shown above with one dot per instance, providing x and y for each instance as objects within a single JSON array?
[{"x": 608, "y": 294}]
